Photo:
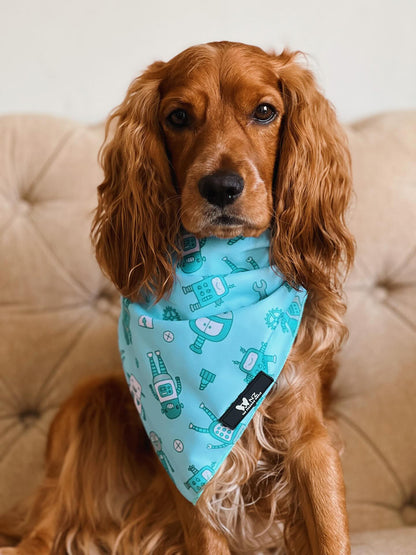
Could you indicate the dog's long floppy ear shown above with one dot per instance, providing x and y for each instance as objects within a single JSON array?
[
  {"x": 136, "y": 222},
  {"x": 313, "y": 183}
]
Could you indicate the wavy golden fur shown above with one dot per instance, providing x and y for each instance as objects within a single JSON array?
[{"x": 281, "y": 487}]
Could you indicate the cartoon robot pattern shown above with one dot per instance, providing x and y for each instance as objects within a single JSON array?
[
  {"x": 145, "y": 322},
  {"x": 157, "y": 446},
  {"x": 207, "y": 377},
  {"x": 164, "y": 389},
  {"x": 137, "y": 393},
  {"x": 218, "y": 431},
  {"x": 235, "y": 269},
  {"x": 208, "y": 290},
  {"x": 192, "y": 259},
  {"x": 199, "y": 477},
  {"x": 212, "y": 328},
  {"x": 235, "y": 240},
  {"x": 255, "y": 361},
  {"x": 126, "y": 321},
  {"x": 289, "y": 320},
  {"x": 171, "y": 314},
  {"x": 293, "y": 315},
  {"x": 261, "y": 289}
]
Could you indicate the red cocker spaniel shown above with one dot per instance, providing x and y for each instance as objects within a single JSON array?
[{"x": 222, "y": 140}]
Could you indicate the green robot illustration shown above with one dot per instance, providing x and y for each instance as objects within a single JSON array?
[
  {"x": 157, "y": 446},
  {"x": 164, "y": 388},
  {"x": 261, "y": 289},
  {"x": 293, "y": 314},
  {"x": 253, "y": 263},
  {"x": 254, "y": 361},
  {"x": 218, "y": 431},
  {"x": 145, "y": 322},
  {"x": 171, "y": 314},
  {"x": 289, "y": 320},
  {"x": 208, "y": 290},
  {"x": 207, "y": 377},
  {"x": 192, "y": 259},
  {"x": 126, "y": 321},
  {"x": 137, "y": 393},
  {"x": 235, "y": 240},
  {"x": 235, "y": 269},
  {"x": 199, "y": 477},
  {"x": 213, "y": 328}
]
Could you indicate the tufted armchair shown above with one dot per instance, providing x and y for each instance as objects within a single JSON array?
[{"x": 58, "y": 314}]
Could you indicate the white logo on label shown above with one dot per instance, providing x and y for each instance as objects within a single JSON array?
[
  {"x": 246, "y": 404},
  {"x": 243, "y": 406}
]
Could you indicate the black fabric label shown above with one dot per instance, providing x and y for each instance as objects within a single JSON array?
[{"x": 246, "y": 400}]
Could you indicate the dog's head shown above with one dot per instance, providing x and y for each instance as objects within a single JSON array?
[{"x": 223, "y": 140}]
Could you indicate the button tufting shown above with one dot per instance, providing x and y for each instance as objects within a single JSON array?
[
  {"x": 28, "y": 417},
  {"x": 103, "y": 303},
  {"x": 381, "y": 291},
  {"x": 23, "y": 207},
  {"x": 409, "y": 515}
]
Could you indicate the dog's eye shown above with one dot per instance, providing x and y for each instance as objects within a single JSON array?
[
  {"x": 178, "y": 118},
  {"x": 264, "y": 113}
]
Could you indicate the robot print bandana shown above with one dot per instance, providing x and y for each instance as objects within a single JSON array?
[{"x": 200, "y": 363}]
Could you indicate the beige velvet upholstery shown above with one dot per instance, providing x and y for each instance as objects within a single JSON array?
[{"x": 58, "y": 315}]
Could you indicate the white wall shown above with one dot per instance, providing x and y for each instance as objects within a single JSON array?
[{"x": 76, "y": 57}]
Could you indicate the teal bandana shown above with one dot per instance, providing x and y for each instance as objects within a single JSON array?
[{"x": 200, "y": 363}]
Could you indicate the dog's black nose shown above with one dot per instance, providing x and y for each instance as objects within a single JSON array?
[{"x": 221, "y": 188}]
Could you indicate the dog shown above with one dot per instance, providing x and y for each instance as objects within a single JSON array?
[{"x": 224, "y": 140}]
